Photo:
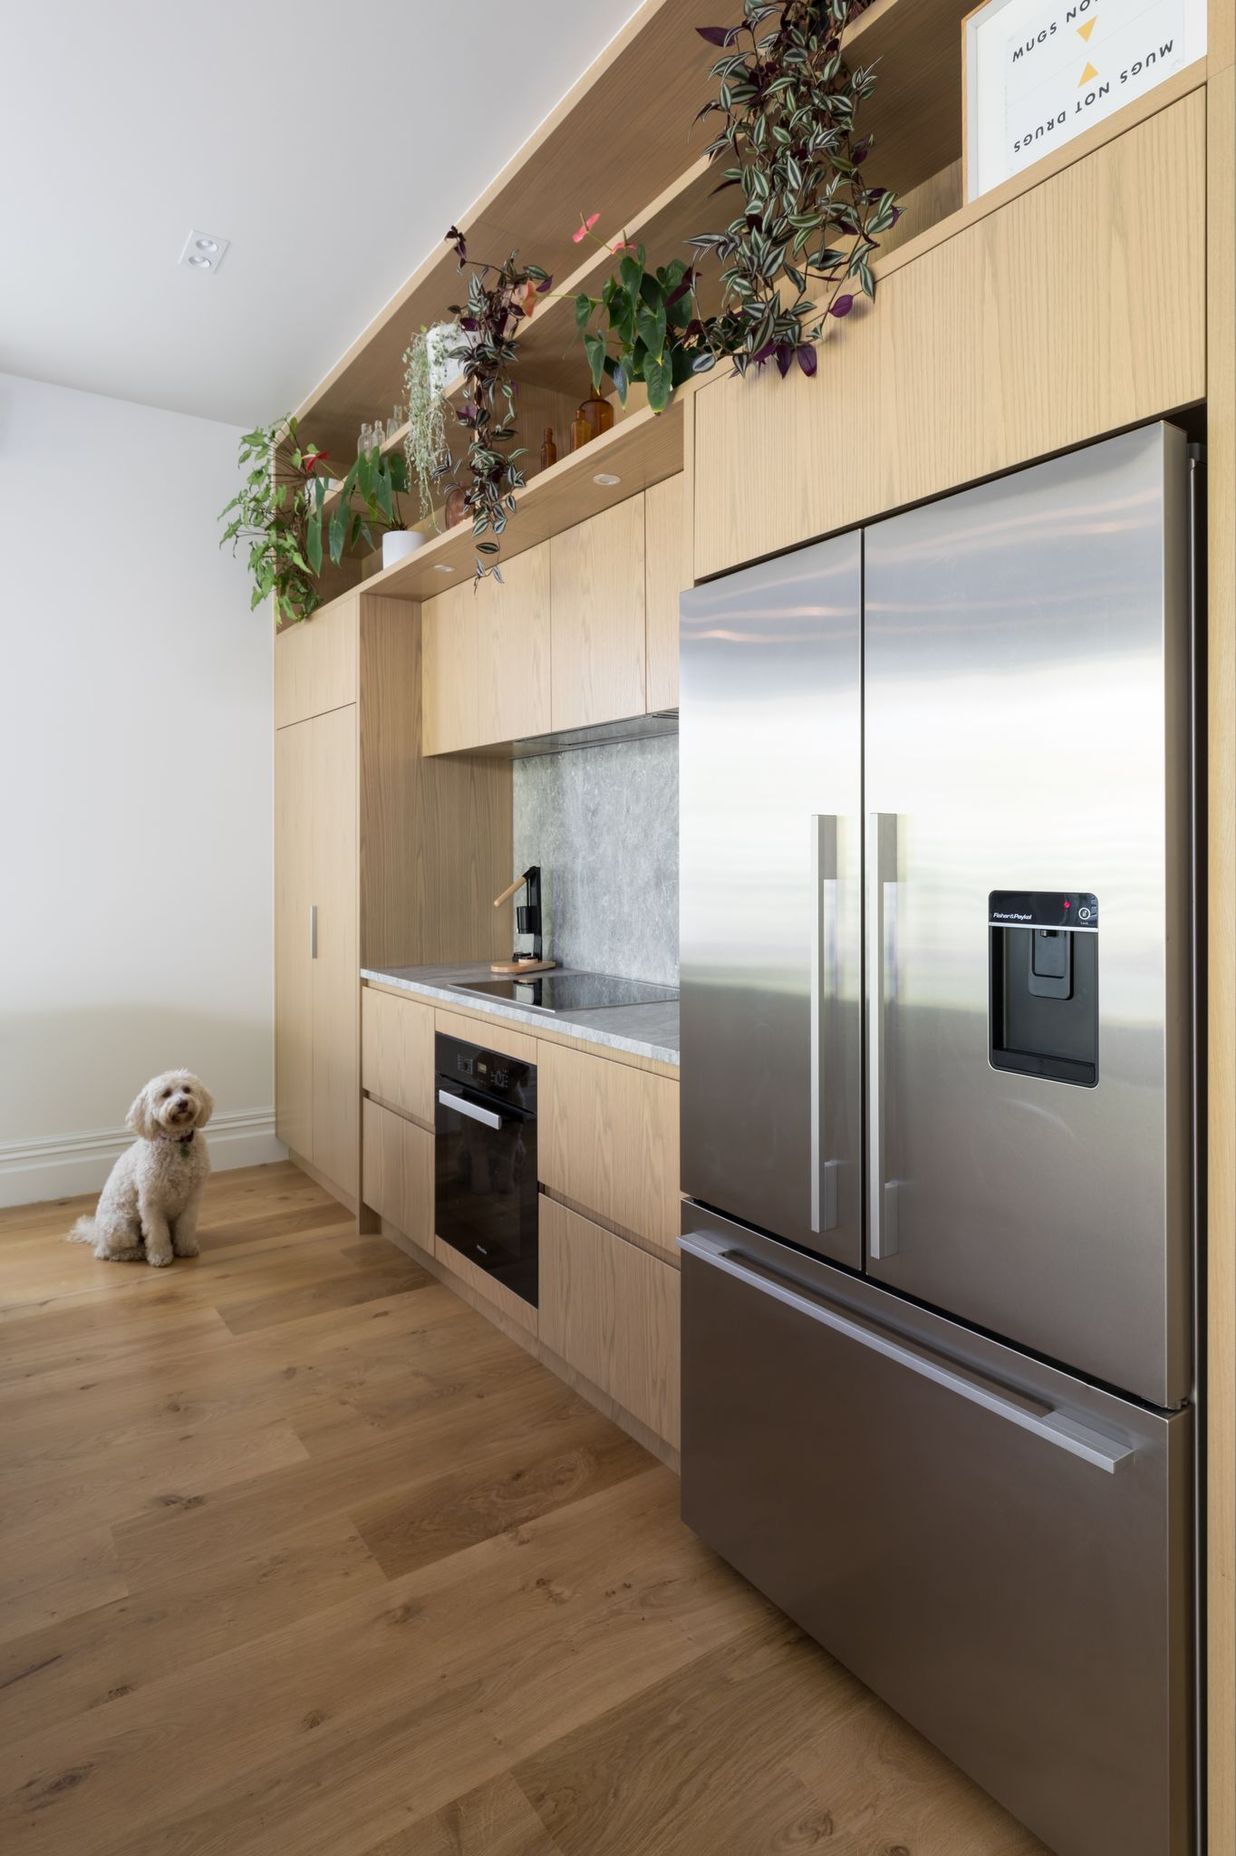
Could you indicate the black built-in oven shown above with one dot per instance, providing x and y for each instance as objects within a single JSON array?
[{"x": 485, "y": 1190}]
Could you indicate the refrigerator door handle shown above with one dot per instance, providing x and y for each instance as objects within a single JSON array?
[
  {"x": 1028, "y": 1414},
  {"x": 881, "y": 926},
  {"x": 823, "y": 990}
]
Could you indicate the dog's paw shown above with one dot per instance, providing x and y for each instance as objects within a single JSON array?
[
  {"x": 157, "y": 1259},
  {"x": 187, "y": 1247}
]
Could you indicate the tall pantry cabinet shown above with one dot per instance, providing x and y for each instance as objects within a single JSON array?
[{"x": 381, "y": 858}]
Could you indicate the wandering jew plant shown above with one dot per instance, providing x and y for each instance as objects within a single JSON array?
[
  {"x": 789, "y": 105},
  {"x": 500, "y": 297}
]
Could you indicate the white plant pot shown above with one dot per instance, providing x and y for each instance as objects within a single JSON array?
[{"x": 399, "y": 543}]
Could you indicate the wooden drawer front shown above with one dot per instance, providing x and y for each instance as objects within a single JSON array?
[
  {"x": 598, "y": 644},
  {"x": 397, "y": 1052},
  {"x": 608, "y": 1138},
  {"x": 315, "y": 664},
  {"x": 1033, "y": 330},
  {"x": 668, "y": 551},
  {"x": 611, "y": 1311},
  {"x": 397, "y": 1178}
]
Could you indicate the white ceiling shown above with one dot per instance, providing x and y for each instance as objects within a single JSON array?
[{"x": 332, "y": 143}]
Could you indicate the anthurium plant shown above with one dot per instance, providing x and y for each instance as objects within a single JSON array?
[
  {"x": 368, "y": 502},
  {"x": 500, "y": 297},
  {"x": 646, "y": 328},
  {"x": 790, "y": 142}
]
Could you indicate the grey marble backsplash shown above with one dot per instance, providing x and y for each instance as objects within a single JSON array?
[{"x": 602, "y": 822}]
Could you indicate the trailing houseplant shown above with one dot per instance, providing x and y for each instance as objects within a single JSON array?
[
  {"x": 790, "y": 141},
  {"x": 279, "y": 512},
  {"x": 500, "y": 297},
  {"x": 426, "y": 452}
]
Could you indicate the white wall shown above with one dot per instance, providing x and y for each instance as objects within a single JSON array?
[{"x": 135, "y": 787}]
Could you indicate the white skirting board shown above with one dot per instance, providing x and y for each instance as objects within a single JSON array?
[{"x": 58, "y": 1166}]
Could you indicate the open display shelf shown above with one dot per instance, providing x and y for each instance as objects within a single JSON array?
[
  {"x": 639, "y": 451},
  {"x": 624, "y": 136}
]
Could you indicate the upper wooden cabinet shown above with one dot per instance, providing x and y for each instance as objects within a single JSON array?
[
  {"x": 597, "y": 602},
  {"x": 668, "y": 569},
  {"x": 316, "y": 663},
  {"x": 1029, "y": 330},
  {"x": 486, "y": 658}
]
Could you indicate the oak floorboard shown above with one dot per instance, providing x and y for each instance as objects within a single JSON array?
[{"x": 300, "y": 1554}]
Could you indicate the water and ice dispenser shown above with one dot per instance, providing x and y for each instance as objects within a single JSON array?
[{"x": 1044, "y": 974}]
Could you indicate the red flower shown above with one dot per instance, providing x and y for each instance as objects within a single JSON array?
[{"x": 577, "y": 238}]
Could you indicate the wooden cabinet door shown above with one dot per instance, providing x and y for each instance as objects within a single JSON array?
[
  {"x": 667, "y": 544},
  {"x": 293, "y": 962},
  {"x": 450, "y": 713},
  {"x": 597, "y": 618},
  {"x": 315, "y": 663},
  {"x": 335, "y": 966},
  {"x": 611, "y": 1311},
  {"x": 398, "y": 1159},
  {"x": 607, "y": 1137},
  {"x": 512, "y": 645}
]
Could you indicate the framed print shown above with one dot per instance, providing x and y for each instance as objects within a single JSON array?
[{"x": 1038, "y": 72}]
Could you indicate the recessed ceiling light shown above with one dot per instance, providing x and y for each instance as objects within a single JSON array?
[
  {"x": 204, "y": 251},
  {"x": 440, "y": 567},
  {"x": 606, "y": 479}
]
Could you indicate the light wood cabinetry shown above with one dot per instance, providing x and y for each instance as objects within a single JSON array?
[
  {"x": 316, "y": 953},
  {"x": 667, "y": 553},
  {"x": 608, "y": 1139},
  {"x": 1026, "y": 332},
  {"x": 315, "y": 663},
  {"x": 398, "y": 1170},
  {"x": 397, "y": 1052},
  {"x": 611, "y": 1311},
  {"x": 598, "y": 602},
  {"x": 486, "y": 668},
  {"x": 381, "y": 858}
]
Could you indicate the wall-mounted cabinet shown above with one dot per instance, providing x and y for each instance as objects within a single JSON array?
[
  {"x": 1022, "y": 332},
  {"x": 487, "y": 658},
  {"x": 598, "y": 599},
  {"x": 582, "y": 629}
]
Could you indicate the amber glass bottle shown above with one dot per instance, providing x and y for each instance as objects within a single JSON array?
[{"x": 549, "y": 449}]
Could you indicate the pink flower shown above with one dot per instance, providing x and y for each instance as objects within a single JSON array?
[
  {"x": 577, "y": 238},
  {"x": 624, "y": 246}
]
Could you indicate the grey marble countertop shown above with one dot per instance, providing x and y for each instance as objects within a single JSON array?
[{"x": 643, "y": 1030}]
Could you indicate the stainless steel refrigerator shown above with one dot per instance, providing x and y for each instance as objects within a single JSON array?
[{"x": 936, "y": 1121}]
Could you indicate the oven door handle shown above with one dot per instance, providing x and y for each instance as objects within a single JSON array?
[{"x": 470, "y": 1109}]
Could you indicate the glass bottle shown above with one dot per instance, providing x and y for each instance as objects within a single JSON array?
[
  {"x": 592, "y": 417},
  {"x": 394, "y": 422},
  {"x": 364, "y": 441},
  {"x": 549, "y": 448}
]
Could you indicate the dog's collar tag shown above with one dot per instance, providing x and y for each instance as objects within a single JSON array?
[{"x": 186, "y": 1140}]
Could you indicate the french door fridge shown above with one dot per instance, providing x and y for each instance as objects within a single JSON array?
[{"x": 936, "y": 1120}]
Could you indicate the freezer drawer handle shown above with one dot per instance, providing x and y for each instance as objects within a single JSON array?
[
  {"x": 823, "y": 989},
  {"x": 881, "y": 927},
  {"x": 469, "y": 1109},
  {"x": 1054, "y": 1427}
]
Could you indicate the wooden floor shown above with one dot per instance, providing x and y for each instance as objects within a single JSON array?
[{"x": 301, "y": 1556}]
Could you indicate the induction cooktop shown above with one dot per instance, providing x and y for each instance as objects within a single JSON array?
[{"x": 567, "y": 992}]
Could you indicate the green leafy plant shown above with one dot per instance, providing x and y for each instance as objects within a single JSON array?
[
  {"x": 790, "y": 105},
  {"x": 425, "y": 449},
  {"x": 368, "y": 501},
  {"x": 500, "y": 297},
  {"x": 647, "y": 327},
  {"x": 278, "y": 512}
]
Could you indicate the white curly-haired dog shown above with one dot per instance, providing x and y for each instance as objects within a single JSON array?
[{"x": 153, "y": 1192}]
